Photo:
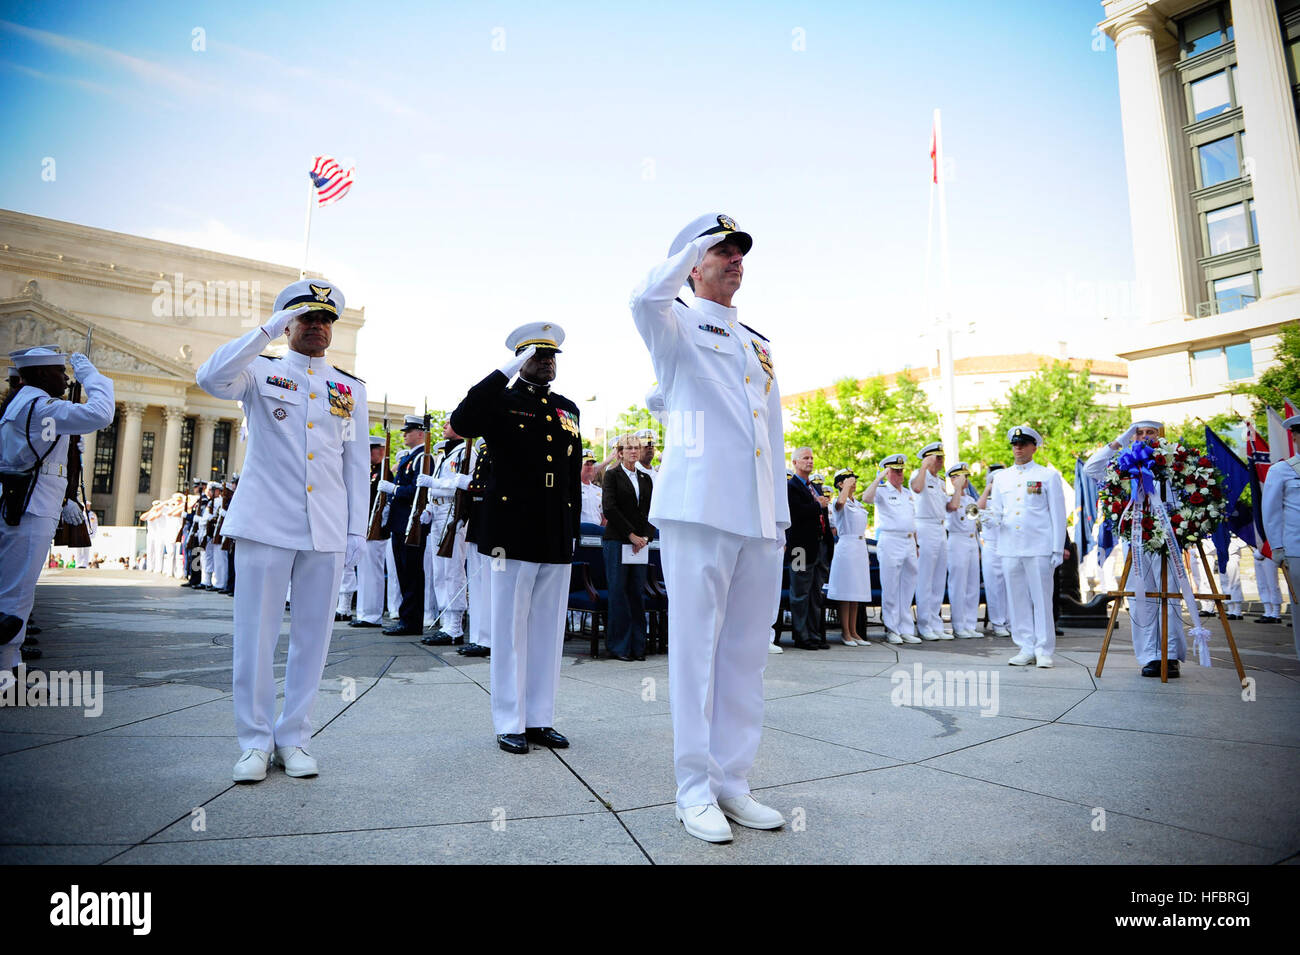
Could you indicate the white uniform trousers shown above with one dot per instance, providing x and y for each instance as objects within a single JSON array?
[
  {"x": 1270, "y": 594},
  {"x": 964, "y": 582},
  {"x": 1293, "y": 579},
  {"x": 931, "y": 573},
  {"x": 478, "y": 596},
  {"x": 23, "y": 550},
  {"x": 153, "y": 548},
  {"x": 370, "y": 581},
  {"x": 1230, "y": 583},
  {"x": 347, "y": 587},
  {"x": 205, "y": 564},
  {"x": 528, "y": 604},
  {"x": 1144, "y": 614},
  {"x": 394, "y": 586},
  {"x": 724, "y": 592},
  {"x": 449, "y": 582},
  {"x": 995, "y": 585},
  {"x": 220, "y": 567},
  {"x": 264, "y": 574},
  {"x": 896, "y": 552},
  {"x": 1029, "y": 584},
  {"x": 431, "y": 607}
]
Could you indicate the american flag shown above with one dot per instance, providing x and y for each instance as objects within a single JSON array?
[{"x": 331, "y": 181}]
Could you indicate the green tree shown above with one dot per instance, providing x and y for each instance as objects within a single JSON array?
[
  {"x": 1062, "y": 406},
  {"x": 1281, "y": 381}
]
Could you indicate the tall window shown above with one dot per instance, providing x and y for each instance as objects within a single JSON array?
[
  {"x": 220, "y": 450},
  {"x": 187, "y": 448},
  {"x": 1226, "y": 229},
  {"x": 146, "y": 461},
  {"x": 105, "y": 458},
  {"x": 1205, "y": 29},
  {"x": 1220, "y": 365},
  {"x": 1218, "y": 159}
]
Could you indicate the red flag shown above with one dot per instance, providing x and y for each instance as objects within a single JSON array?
[{"x": 1258, "y": 458}]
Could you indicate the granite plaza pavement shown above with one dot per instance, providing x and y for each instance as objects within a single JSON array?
[{"x": 410, "y": 771}]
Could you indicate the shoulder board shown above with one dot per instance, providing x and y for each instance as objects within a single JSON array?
[
  {"x": 755, "y": 331},
  {"x": 271, "y": 357},
  {"x": 1294, "y": 461},
  {"x": 679, "y": 301},
  {"x": 347, "y": 374}
]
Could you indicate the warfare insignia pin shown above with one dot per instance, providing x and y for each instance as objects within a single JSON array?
[
  {"x": 279, "y": 414},
  {"x": 341, "y": 400}
]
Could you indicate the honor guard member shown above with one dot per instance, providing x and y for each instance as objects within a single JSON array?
[
  {"x": 1282, "y": 520},
  {"x": 207, "y": 520},
  {"x": 591, "y": 494},
  {"x": 963, "y": 554},
  {"x": 995, "y": 583},
  {"x": 1143, "y": 611},
  {"x": 193, "y": 557},
  {"x": 895, "y": 548},
  {"x": 478, "y": 591},
  {"x": 228, "y": 543},
  {"x": 1270, "y": 594},
  {"x": 721, "y": 552},
  {"x": 370, "y": 565},
  {"x": 1028, "y": 504},
  {"x": 448, "y": 572},
  {"x": 530, "y": 518},
  {"x": 931, "y": 503},
  {"x": 408, "y": 560},
  {"x": 299, "y": 517},
  {"x": 220, "y": 562},
  {"x": 36, "y": 424}
]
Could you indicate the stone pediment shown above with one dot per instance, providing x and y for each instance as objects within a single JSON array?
[{"x": 28, "y": 320}]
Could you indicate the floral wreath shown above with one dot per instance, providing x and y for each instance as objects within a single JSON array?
[{"x": 1195, "y": 485}]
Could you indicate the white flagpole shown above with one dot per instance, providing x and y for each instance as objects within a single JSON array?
[
  {"x": 949, "y": 422},
  {"x": 306, "y": 237}
]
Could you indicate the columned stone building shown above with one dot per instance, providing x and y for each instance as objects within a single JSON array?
[{"x": 158, "y": 310}]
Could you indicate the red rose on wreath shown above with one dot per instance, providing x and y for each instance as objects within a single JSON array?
[
  {"x": 1160, "y": 460},
  {"x": 1200, "y": 482},
  {"x": 1196, "y": 498},
  {"x": 1216, "y": 493},
  {"x": 1175, "y": 519},
  {"x": 1148, "y": 522},
  {"x": 1205, "y": 462}
]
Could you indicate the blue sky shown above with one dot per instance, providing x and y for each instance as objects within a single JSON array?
[{"x": 542, "y": 180}]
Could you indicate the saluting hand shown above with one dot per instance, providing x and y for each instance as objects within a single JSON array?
[
  {"x": 511, "y": 368},
  {"x": 279, "y": 321}
]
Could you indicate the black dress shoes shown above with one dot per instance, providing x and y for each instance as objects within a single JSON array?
[
  {"x": 1173, "y": 670},
  {"x": 1266, "y": 619},
  {"x": 9, "y": 627},
  {"x": 512, "y": 742},
  {"x": 1208, "y": 613},
  {"x": 1235, "y": 616},
  {"x": 363, "y": 623},
  {"x": 400, "y": 631},
  {"x": 1153, "y": 669},
  {"x": 32, "y": 629},
  {"x": 806, "y": 645},
  {"x": 475, "y": 650},
  {"x": 32, "y": 653},
  {"x": 619, "y": 656},
  {"x": 340, "y": 617},
  {"x": 437, "y": 639},
  {"x": 546, "y": 736},
  {"x": 1060, "y": 632}
]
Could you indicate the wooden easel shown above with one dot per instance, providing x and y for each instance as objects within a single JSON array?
[{"x": 1165, "y": 596}]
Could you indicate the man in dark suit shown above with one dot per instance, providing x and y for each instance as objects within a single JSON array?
[
  {"x": 409, "y": 560},
  {"x": 804, "y": 551},
  {"x": 625, "y": 500}
]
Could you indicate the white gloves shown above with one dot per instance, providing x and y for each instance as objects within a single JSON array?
[
  {"x": 279, "y": 321},
  {"x": 383, "y": 518},
  {"x": 424, "y": 480},
  {"x": 706, "y": 242},
  {"x": 353, "y": 552},
  {"x": 1279, "y": 556},
  {"x": 72, "y": 512},
  {"x": 81, "y": 366},
  {"x": 387, "y": 487},
  {"x": 511, "y": 368},
  {"x": 1125, "y": 439},
  {"x": 426, "y": 515},
  {"x": 462, "y": 481}
]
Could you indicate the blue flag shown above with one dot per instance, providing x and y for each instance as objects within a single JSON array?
[
  {"x": 1085, "y": 509},
  {"x": 1238, "y": 518}
]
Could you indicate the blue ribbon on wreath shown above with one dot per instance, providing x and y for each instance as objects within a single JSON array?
[{"x": 1135, "y": 464}]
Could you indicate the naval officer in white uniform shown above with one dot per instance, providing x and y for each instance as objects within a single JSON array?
[
  {"x": 995, "y": 583},
  {"x": 1282, "y": 520},
  {"x": 36, "y": 424},
  {"x": 963, "y": 554},
  {"x": 300, "y": 514},
  {"x": 721, "y": 552},
  {"x": 931, "y": 502},
  {"x": 1028, "y": 505},
  {"x": 895, "y": 548}
]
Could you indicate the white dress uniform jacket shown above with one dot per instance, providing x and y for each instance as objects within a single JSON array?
[
  {"x": 1282, "y": 525},
  {"x": 591, "y": 504},
  {"x": 896, "y": 551},
  {"x": 931, "y": 506},
  {"x": 963, "y": 568}
]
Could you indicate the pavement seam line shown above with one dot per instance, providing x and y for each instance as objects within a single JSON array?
[
  {"x": 608, "y": 806},
  {"x": 379, "y": 676}
]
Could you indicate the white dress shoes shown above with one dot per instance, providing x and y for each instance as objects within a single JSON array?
[
  {"x": 296, "y": 761},
  {"x": 1044, "y": 662},
  {"x": 251, "y": 767},
  {"x": 1021, "y": 659},
  {"x": 774, "y": 648},
  {"x": 927, "y": 635},
  {"x": 965, "y": 634},
  {"x": 751, "y": 813},
  {"x": 910, "y": 638},
  {"x": 893, "y": 637},
  {"x": 705, "y": 822},
  {"x": 1001, "y": 632}
]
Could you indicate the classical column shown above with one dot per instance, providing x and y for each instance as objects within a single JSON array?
[
  {"x": 1152, "y": 206},
  {"x": 201, "y": 453},
  {"x": 1264, "y": 91},
  {"x": 171, "y": 450},
  {"x": 128, "y": 463}
]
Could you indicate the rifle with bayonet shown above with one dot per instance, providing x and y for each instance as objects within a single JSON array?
[
  {"x": 376, "y": 528},
  {"x": 460, "y": 504},
  {"x": 75, "y": 535},
  {"x": 416, "y": 531}
]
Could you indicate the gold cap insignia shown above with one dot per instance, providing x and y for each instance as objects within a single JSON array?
[
  {"x": 322, "y": 292},
  {"x": 727, "y": 222}
]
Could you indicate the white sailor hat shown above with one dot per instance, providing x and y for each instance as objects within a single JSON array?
[
  {"x": 934, "y": 447},
  {"x": 894, "y": 461},
  {"x": 1022, "y": 432},
  {"x": 959, "y": 469},
  {"x": 320, "y": 294},
  {"x": 588, "y": 455},
  {"x": 545, "y": 335},
  {"x": 412, "y": 421},
  {"x": 376, "y": 441},
  {"x": 842, "y": 475},
  {"x": 996, "y": 467},
  {"x": 1149, "y": 423},
  {"x": 36, "y": 357},
  {"x": 213, "y": 485},
  {"x": 647, "y": 434},
  {"x": 711, "y": 224},
  {"x": 1292, "y": 422},
  {"x": 234, "y": 478}
]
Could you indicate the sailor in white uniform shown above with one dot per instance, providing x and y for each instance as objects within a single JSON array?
[
  {"x": 1028, "y": 504},
  {"x": 995, "y": 583},
  {"x": 300, "y": 514},
  {"x": 895, "y": 548},
  {"x": 849, "y": 581},
  {"x": 591, "y": 494},
  {"x": 1270, "y": 594},
  {"x": 721, "y": 552},
  {"x": 963, "y": 554},
  {"x": 448, "y": 477},
  {"x": 1282, "y": 519},
  {"x": 931, "y": 499},
  {"x": 370, "y": 562},
  {"x": 36, "y": 424}
]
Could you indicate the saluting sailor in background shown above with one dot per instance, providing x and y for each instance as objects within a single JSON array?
[
  {"x": 529, "y": 522},
  {"x": 895, "y": 548},
  {"x": 1028, "y": 504},
  {"x": 1282, "y": 520},
  {"x": 409, "y": 561},
  {"x": 721, "y": 551},
  {"x": 448, "y": 572},
  {"x": 931, "y": 503},
  {"x": 35, "y": 426},
  {"x": 963, "y": 554},
  {"x": 299, "y": 516},
  {"x": 995, "y": 582}
]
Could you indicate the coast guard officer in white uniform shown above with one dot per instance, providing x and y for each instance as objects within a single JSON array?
[
  {"x": 1282, "y": 519},
  {"x": 721, "y": 552},
  {"x": 36, "y": 423},
  {"x": 895, "y": 548},
  {"x": 1028, "y": 505},
  {"x": 931, "y": 503},
  {"x": 300, "y": 514}
]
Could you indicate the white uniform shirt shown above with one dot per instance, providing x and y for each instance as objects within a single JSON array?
[
  {"x": 959, "y": 524},
  {"x": 306, "y": 478},
  {"x": 61, "y": 417},
  {"x": 591, "y": 508},
  {"x": 1028, "y": 505},
  {"x": 722, "y": 409},
  {"x": 446, "y": 473},
  {"x": 894, "y": 508},
  {"x": 1282, "y": 509},
  {"x": 932, "y": 503},
  {"x": 849, "y": 520}
]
